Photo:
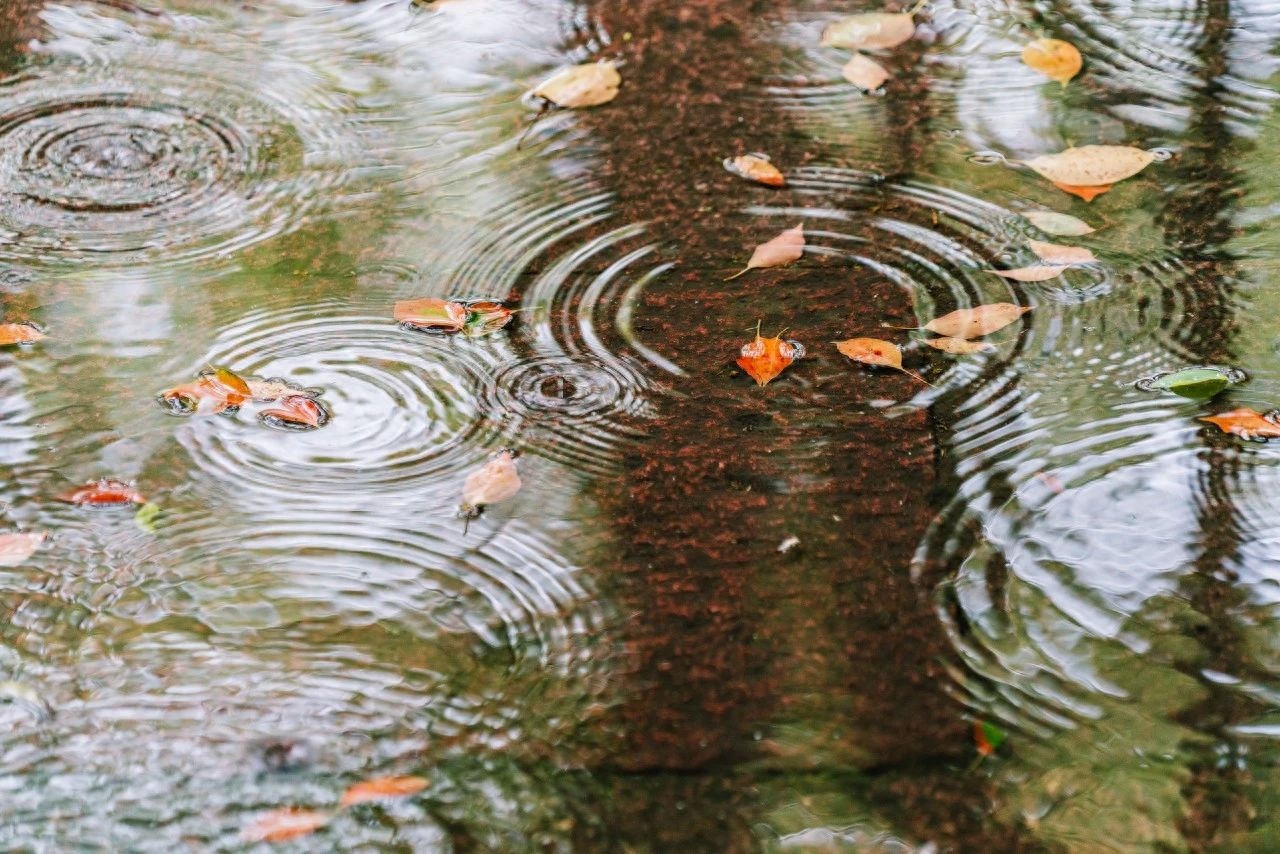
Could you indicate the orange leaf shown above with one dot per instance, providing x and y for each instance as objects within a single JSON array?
[
  {"x": 1034, "y": 273},
  {"x": 1086, "y": 193},
  {"x": 1054, "y": 58},
  {"x": 17, "y": 547},
  {"x": 865, "y": 73},
  {"x": 1246, "y": 423},
  {"x": 977, "y": 321},
  {"x": 284, "y": 824},
  {"x": 431, "y": 313},
  {"x": 102, "y": 493},
  {"x": 19, "y": 333},
  {"x": 765, "y": 358},
  {"x": 211, "y": 393},
  {"x": 383, "y": 787},
  {"x": 783, "y": 249},
  {"x": 873, "y": 351},
  {"x": 756, "y": 167},
  {"x": 295, "y": 410}
]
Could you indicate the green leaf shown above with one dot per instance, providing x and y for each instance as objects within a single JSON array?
[
  {"x": 148, "y": 517},
  {"x": 1195, "y": 383}
]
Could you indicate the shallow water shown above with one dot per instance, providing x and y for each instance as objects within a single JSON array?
[{"x": 195, "y": 183}]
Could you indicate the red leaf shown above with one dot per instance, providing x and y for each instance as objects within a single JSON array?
[
  {"x": 383, "y": 787},
  {"x": 296, "y": 410},
  {"x": 285, "y": 824},
  {"x": 103, "y": 493},
  {"x": 765, "y": 358}
]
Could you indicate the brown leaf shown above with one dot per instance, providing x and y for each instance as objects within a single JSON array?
[
  {"x": 977, "y": 321},
  {"x": 959, "y": 346},
  {"x": 1092, "y": 165},
  {"x": 873, "y": 351},
  {"x": 765, "y": 358},
  {"x": 16, "y": 547},
  {"x": 103, "y": 493},
  {"x": 19, "y": 333},
  {"x": 1034, "y": 273},
  {"x": 380, "y": 788},
  {"x": 268, "y": 390},
  {"x": 1246, "y": 423},
  {"x": 755, "y": 167},
  {"x": 870, "y": 30},
  {"x": 783, "y": 249},
  {"x": 295, "y": 410},
  {"x": 496, "y": 480},
  {"x": 1086, "y": 193},
  {"x": 284, "y": 824},
  {"x": 865, "y": 73},
  {"x": 1054, "y": 58},
  {"x": 485, "y": 317},
  {"x": 1056, "y": 253},
  {"x": 431, "y": 313},
  {"x": 587, "y": 85}
]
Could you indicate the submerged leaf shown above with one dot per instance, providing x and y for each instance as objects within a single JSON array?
[
  {"x": 865, "y": 73},
  {"x": 765, "y": 358},
  {"x": 977, "y": 321},
  {"x": 103, "y": 493},
  {"x": 19, "y": 333},
  {"x": 1246, "y": 423},
  {"x": 284, "y": 824},
  {"x": 870, "y": 30},
  {"x": 959, "y": 346},
  {"x": 1056, "y": 253},
  {"x": 1058, "y": 224},
  {"x": 873, "y": 351},
  {"x": 587, "y": 85},
  {"x": 496, "y": 480},
  {"x": 1092, "y": 165},
  {"x": 1034, "y": 273},
  {"x": 755, "y": 167},
  {"x": 16, "y": 547},
  {"x": 381, "y": 788},
  {"x": 431, "y": 313},
  {"x": 1054, "y": 58},
  {"x": 783, "y": 249}
]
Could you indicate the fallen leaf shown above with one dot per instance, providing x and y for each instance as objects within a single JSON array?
[
  {"x": 18, "y": 546},
  {"x": 485, "y": 317},
  {"x": 275, "y": 388},
  {"x": 975, "y": 322},
  {"x": 431, "y": 313},
  {"x": 103, "y": 493},
  {"x": 1054, "y": 58},
  {"x": 587, "y": 85},
  {"x": 1246, "y": 423},
  {"x": 496, "y": 480},
  {"x": 865, "y": 73},
  {"x": 212, "y": 392},
  {"x": 765, "y": 358},
  {"x": 870, "y": 30},
  {"x": 1034, "y": 273},
  {"x": 383, "y": 787},
  {"x": 1056, "y": 253},
  {"x": 1058, "y": 224},
  {"x": 755, "y": 167},
  {"x": 284, "y": 824},
  {"x": 1194, "y": 383},
  {"x": 783, "y": 249},
  {"x": 19, "y": 333},
  {"x": 1086, "y": 193},
  {"x": 959, "y": 346},
  {"x": 148, "y": 517},
  {"x": 1091, "y": 165},
  {"x": 295, "y": 411},
  {"x": 988, "y": 737},
  {"x": 873, "y": 351}
]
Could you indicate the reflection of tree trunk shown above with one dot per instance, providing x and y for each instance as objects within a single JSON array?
[
  {"x": 19, "y": 24},
  {"x": 728, "y": 636}
]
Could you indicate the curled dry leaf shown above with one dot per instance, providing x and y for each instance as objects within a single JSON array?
[
  {"x": 873, "y": 351},
  {"x": 284, "y": 824},
  {"x": 1034, "y": 273},
  {"x": 19, "y": 333},
  {"x": 1091, "y": 165},
  {"x": 1054, "y": 58},
  {"x": 865, "y": 73},
  {"x": 980, "y": 320},
  {"x": 444, "y": 315},
  {"x": 1058, "y": 224},
  {"x": 1056, "y": 253},
  {"x": 496, "y": 480},
  {"x": 870, "y": 30},
  {"x": 959, "y": 346},
  {"x": 296, "y": 411},
  {"x": 103, "y": 493},
  {"x": 16, "y": 547},
  {"x": 1086, "y": 193},
  {"x": 587, "y": 85},
  {"x": 765, "y": 358},
  {"x": 755, "y": 167},
  {"x": 1247, "y": 423},
  {"x": 783, "y": 249},
  {"x": 381, "y": 788}
]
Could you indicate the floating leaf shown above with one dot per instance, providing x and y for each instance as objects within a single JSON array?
[
  {"x": 587, "y": 85},
  {"x": 485, "y": 317},
  {"x": 27, "y": 697},
  {"x": 1086, "y": 193},
  {"x": 381, "y": 788},
  {"x": 1054, "y": 58},
  {"x": 1091, "y": 165},
  {"x": 147, "y": 517},
  {"x": 1056, "y": 253},
  {"x": 19, "y": 333},
  {"x": 783, "y": 249},
  {"x": 873, "y": 351},
  {"x": 1034, "y": 273},
  {"x": 496, "y": 480},
  {"x": 977, "y": 321},
  {"x": 295, "y": 411},
  {"x": 870, "y": 30},
  {"x": 755, "y": 167},
  {"x": 765, "y": 358},
  {"x": 103, "y": 493},
  {"x": 16, "y": 547},
  {"x": 988, "y": 737},
  {"x": 959, "y": 346},
  {"x": 431, "y": 313},
  {"x": 1195, "y": 383},
  {"x": 212, "y": 392},
  {"x": 865, "y": 73},
  {"x": 1246, "y": 423},
  {"x": 275, "y": 388},
  {"x": 284, "y": 824},
  {"x": 1058, "y": 224}
]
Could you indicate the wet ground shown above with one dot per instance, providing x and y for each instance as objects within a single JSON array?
[{"x": 715, "y": 617}]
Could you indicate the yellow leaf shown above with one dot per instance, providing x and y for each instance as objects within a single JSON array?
[
  {"x": 755, "y": 167},
  {"x": 1056, "y": 253},
  {"x": 1092, "y": 165},
  {"x": 1054, "y": 58},
  {"x": 959, "y": 346},
  {"x": 870, "y": 30},
  {"x": 865, "y": 73},
  {"x": 1034, "y": 273},
  {"x": 977, "y": 321},
  {"x": 783, "y": 249},
  {"x": 586, "y": 85},
  {"x": 19, "y": 333},
  {"x": 873, "y": 351}
]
